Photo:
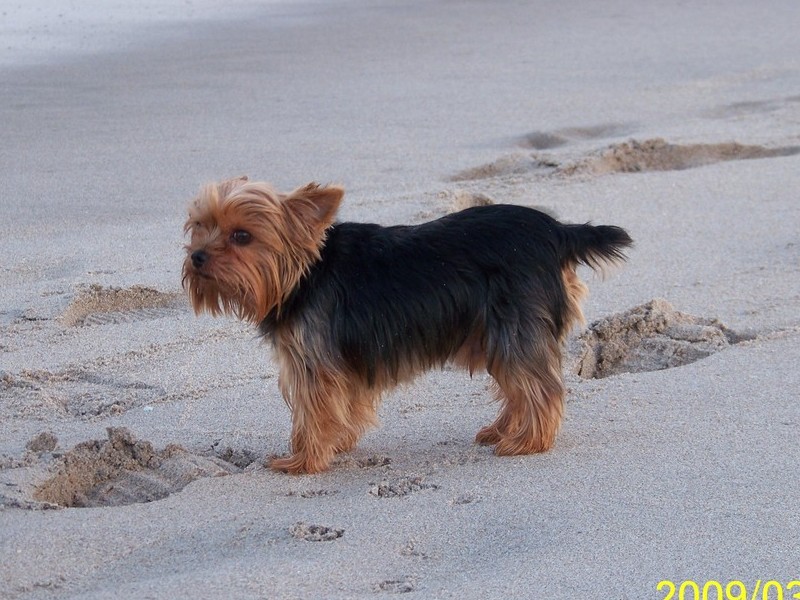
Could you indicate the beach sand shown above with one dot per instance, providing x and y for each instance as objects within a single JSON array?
[{"x": 134, "y": 435}]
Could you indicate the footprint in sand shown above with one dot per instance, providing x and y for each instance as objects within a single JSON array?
[
  {"x": 396, "y": 586},
  {"x": 315, "y": 533},
  {"x": 465, "y": 498},
  {"x": 546, "y": 140},
  {"x": 239, "y": 457},
  {"x": 311, "y": 493},
  {"x": 75, "y": 392},
  {"x": 523, "y": 162},
  {"x": 363, "y": 461},
  {"x": 98, "y": 305},
  {"x": 752, "y": 107},
  {"x": 650, "y": 337},
  {"x": 401, "y": 486}
]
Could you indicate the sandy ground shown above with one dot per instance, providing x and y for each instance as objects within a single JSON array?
[{"x": 133, "y": 435}]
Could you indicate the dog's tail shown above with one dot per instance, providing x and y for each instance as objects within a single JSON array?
[{"x": 596, "y": 246}]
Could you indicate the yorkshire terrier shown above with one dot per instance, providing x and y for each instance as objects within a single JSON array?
[{"x": 353, "y": 309}]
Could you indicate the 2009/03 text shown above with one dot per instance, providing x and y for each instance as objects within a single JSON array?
[{"x": 732, "y": 590}]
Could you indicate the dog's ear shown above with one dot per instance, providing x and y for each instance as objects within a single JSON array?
[{"x": 315, "y": 205}]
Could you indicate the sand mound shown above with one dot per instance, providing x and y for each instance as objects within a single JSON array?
[
  {"x": 513, "y": 164},
  {"x": 650, "y": 337},
  {"x": 98, "y": 305},
  {"x": 452, "y": 201},
  {"x": 123, "y": 470},
  {"x": 463, "y": 199},
  {"x": 633, "y": 156},
  {"x": 656, "y": 154}
]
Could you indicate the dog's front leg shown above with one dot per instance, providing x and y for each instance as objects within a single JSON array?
[
  {"x": 320, "y": 419},
  {"x": 311, "y": 453}
]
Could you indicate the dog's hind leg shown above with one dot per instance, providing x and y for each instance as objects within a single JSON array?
[{"x": 531, "y": 392}]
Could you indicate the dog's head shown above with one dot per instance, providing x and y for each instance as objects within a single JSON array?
[{"x": 250, "y": 245}]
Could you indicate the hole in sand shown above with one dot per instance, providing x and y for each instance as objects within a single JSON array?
[
  {"x": 650, "y": 337},
  {"x": 123, "y": 470},
  {"x": 98, "y": 305}
]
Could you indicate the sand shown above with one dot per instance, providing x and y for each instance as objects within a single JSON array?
[
  {"x": 134, "y": 435},
  {"x": 650, "y": 337}
]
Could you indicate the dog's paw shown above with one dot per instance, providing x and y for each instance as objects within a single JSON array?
[
  {"x": 297, "y": 464},
  {"x": 488, "y": 436}
]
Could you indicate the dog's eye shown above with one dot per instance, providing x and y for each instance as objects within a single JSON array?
[{"x": 240, "y": 237}]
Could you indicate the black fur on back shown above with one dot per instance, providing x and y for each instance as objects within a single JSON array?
[{"x": 389, "y": 296}]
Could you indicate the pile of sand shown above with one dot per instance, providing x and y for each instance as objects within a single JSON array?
[
  {"x": 463, "y": 199},
  {"x": 650, "y": 337},
  {"x": 633, "y": 156},
  {"x": 123, "y": 470},
  {"x": 520, "y": 163},
  {"x": 656, "y": 154}
]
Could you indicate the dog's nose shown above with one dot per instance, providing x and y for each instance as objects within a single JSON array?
[{"x": 199, "y": 258}]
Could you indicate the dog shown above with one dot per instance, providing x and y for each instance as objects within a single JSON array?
[{"x": 353, "y": 309}]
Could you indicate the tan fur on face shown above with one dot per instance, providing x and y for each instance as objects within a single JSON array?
[{"x": 287, "y": 232}]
